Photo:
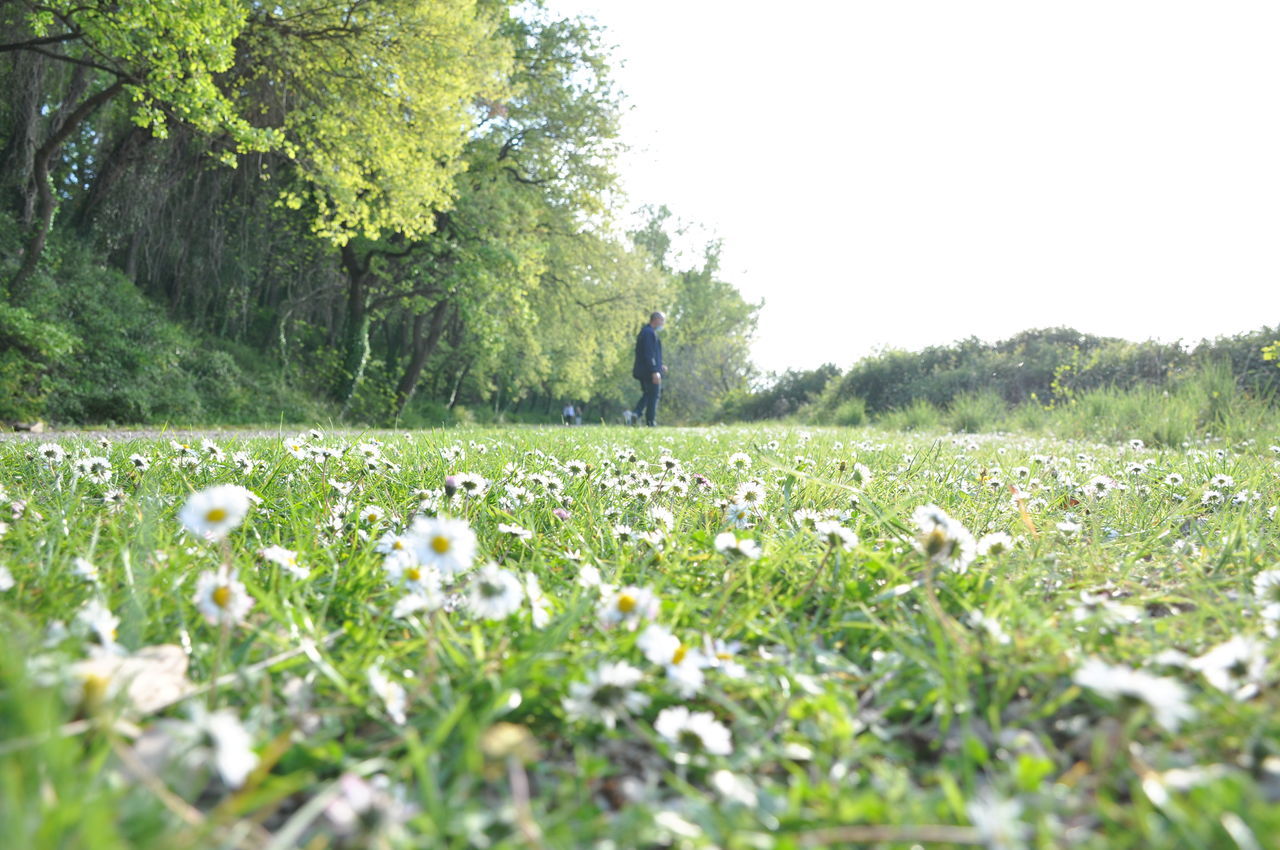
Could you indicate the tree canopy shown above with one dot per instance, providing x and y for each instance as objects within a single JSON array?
[{"x": 387, "y": 208}]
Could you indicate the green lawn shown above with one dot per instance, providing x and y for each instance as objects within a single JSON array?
[{"x": 618, "y": 638}]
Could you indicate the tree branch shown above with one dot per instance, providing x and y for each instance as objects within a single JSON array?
[
  {"x": 33, "y": 43},
  {"x": 62, "y": 57}
]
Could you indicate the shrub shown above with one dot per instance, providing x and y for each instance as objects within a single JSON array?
[
  {"x": 850, "y": 412},
  {"x": 919, "y": 415},
  {"x": 974, "y": 412}
]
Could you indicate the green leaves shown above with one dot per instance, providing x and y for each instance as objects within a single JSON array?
[
  {"x": 373, "y": 103},
  {"x": 169, "y": 54}
]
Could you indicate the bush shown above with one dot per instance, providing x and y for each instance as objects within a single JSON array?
[
  {"x": 850, "y": 412},
  {"x": 974, "y": 412},
  {"x": 92, "y": 348},
  {"x": 920, "y": 415},
  {"x": 1029, "y": 416},
  {"x": 29, "y": 348}
]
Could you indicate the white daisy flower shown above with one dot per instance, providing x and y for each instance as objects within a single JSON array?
[
  {"x": 998, "y": 821},
  {"x": 287, "y": 559},
  {"x": 658, "y": 643},
  {"x": 608, "y": 694},
  {"x": 739, "y": 514},
  {"x": 471, "y": 485},
  {"x": 805, "y": 517},
  {"x": 750, "y": 493},
  {"x": 538, "y": 601},
  {"x": 722, "y": 655},
  {"x": 1266, "y": 587},
  {"x": 1105, "y": 610},
  {"x": 447, "y": 544},
  {"x": 391, "y": 693},
  {"x": 114, "y": 499},
  {"x": 221, "y": 597},
  {"x": 860, "y": 474},
  {"x": 403, "y": 570},
  {"x": 97, "y": 618},
  {"x": 372, "y": 515},
  {"x": 943, "y": 540},
  {"x": 415, "y": 602},
  {"x": 589, "y": 577},
  {"x": 683, "y": 664},
  {"x": 996, "y": 543},
  {"x": 391, "y": 542},
  {"x": 96, "y": 469},
  {"x": 990, "y": 625},
  {"x": 1168, "y": 698},
  {"x": 1236, "y": 667},
  {"x": 214, "y": 740},
  {"x": 214, "y": 511},
  {"x": 629, "y": 606},
  {"x": 516, "y": 531},
  {"x": 1068, "y": 527},
  {"x": 834, "y": 533},
  {"x": 52, "y": 453},
  {"x": 229, "y": 745},
  {"x": 663, "y": 517},
  {"x": 494, "y": 593},
  {"x": 733, "y": 788},
  {"x": 727, "y": 543},
  {"x": 84, "y": 570},
  {"x": 693, "y": 732}
]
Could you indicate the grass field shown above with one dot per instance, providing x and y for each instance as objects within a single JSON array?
[{"x": 590, "y": 637}]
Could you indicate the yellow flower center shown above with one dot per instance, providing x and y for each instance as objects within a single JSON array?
[
  {"x": 95, "y": 690},
  {"x": 626, "y": 603},
  {"x": 413, "y": 574},
  {"x": 680, "y": 653},
  {"x": 935, "y": 542},
  {"x": 398, "y": 545},
  {"x": 440, "y": 544},
  {"x": 723, "y": 656},
  {"x": 222, "y": 596},
  {"x": 215, "y": 515}
]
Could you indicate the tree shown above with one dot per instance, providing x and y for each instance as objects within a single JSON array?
[
  {"x": 708, "y": 341},
  {"x": 519, "y": 230},
  {"x": 368, "y": 102}
]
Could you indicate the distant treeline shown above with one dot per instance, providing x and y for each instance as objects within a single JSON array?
[{"x": 972, "y": 384}]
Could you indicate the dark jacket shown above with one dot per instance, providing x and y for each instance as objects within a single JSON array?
[{"x": 648, "y": 354}]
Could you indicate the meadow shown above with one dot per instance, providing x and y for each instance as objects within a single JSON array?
[{"x": 735, "y": 637}]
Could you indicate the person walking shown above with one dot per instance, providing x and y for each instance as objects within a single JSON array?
[
  {"x": 648, "y": 369},
  {"x": 568, "y": 413}
]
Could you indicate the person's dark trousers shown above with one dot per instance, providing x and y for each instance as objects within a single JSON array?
[{"x": 648, "y": 403}]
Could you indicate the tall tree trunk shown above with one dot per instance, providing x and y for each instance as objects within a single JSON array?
[
  {"x": 457, "y": 383},
  {"x": 355, "y": 336},
  {"x": 46, "y": 203},
  {"x": 424, "y": 345},
  {"x": 18, "y": 157},
  {"x": 114, "y": 166}
]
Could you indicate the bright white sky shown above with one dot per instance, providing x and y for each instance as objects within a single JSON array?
[{"x": 902, "y": 173}]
